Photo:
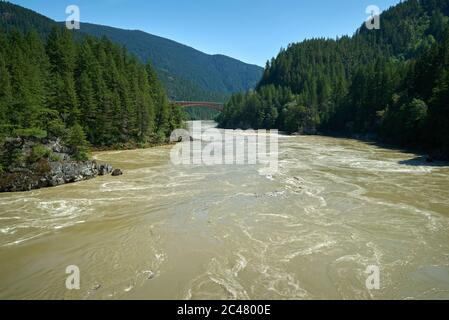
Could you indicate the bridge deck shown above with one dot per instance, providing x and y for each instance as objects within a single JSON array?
[{"x": 212, "y": 105}]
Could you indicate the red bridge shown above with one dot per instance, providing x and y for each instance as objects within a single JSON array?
[{"x": 212, "y": 105}]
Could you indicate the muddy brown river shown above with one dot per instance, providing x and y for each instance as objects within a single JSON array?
[{"x": 165, "y": 231}]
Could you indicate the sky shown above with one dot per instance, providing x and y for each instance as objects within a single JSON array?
[{"x": 249, "y": 30}]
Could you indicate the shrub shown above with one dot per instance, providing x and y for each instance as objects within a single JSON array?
[
  {"x": 56, "y": 128},
  {"x": 14, "y": 158},
  {"x": 5, "y": 131},
  {"x": 31, "y": 132},
  {"x": 39, "y": 152},
  {"x": 54, "y": 158},
  {"x": 76, "y": 140}
]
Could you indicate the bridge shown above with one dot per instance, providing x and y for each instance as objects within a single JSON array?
[{"x": 212, "y": 105}]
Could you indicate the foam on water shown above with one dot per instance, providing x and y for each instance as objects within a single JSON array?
[{"x": 307, "y": 231}]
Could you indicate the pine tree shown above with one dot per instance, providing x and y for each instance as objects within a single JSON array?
[
  {"x": 80, "y": 90},
  {"x": 5, "y": 94},
  {"x": 62, "y": 97},
  {"x": 159, "y": 98},
  {"x": 76, "y": 140}
]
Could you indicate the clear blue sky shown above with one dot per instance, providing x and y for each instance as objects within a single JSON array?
[{"x": 250, "y": 30}]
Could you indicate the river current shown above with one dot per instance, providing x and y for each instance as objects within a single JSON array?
[{"x": 163, "y": 231}]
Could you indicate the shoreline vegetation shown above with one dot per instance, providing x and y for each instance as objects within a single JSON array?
[
  {"x": 62, "y": 97},
  {"x": 130, "y": 147},
  {"x": 64, "y": 94},
  {"x": 48, "y": 163},
  {"x": 392, "y": 83},
  {"x": 420, "y": 152}
]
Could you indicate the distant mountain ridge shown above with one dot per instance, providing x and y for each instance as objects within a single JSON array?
[
  {"x": 187, "y": 73},
  {"x": 389, "y": 84},
  {"x": 217, "y": 73}
]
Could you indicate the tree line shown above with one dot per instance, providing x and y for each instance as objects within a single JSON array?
[
  {"x": 85, "y": 91},
  {"x": 187, "y": 75},
  {"x": 391, "y": 83}
]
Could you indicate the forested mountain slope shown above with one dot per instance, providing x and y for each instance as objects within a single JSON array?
[
  {"x": 214, "y": 73},
  {"x": 187, "y": 74},
  {"x": 83, "y": 92},
  {"x": 391, "y": 83}
]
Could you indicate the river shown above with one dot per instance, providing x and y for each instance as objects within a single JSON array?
[{"x": 166, "y": 231}]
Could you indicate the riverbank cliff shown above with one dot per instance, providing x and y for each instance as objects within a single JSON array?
[{"x": 34, "y": 163}]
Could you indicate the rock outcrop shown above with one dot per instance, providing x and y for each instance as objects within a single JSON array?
[
  {"x": 117, "y": 172},
  {"x": 48, "y": 174},
  {"x": 55, "y": 169},
  {"x": 105, "y": 169}
]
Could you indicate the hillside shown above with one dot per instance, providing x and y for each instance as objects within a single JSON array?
[
  {"x": 93, "y": 89},
  {"x": 16, "y": 17},
  {"x": 214, "y": 73},
  {"x": 187, "y": 74},
  {"x": 390, "y": 83}
]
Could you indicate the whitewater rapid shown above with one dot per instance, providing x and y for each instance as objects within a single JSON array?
[{"x": 164, "y": 231}]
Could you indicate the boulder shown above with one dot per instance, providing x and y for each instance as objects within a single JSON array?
[
  {"x": 51, "y": 171},
  {"x": 117, "y": 172},
  {"x": 105, "y": 169},
  {"x": 51, "y": 174}
]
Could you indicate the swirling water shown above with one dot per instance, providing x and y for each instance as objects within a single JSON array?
[{"x": 164, "y": 231}]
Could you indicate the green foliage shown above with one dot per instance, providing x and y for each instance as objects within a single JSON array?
[
  {"x": 76, "y": 140},
  {"x": 187, "y": 74},
  {"x": 405, "y": 124},
  {"x": 54, "y": 158},
  {"x": 5, "y": 85},
  {"x": 182, "y": 69},
  {"x": 199, "y": 113},
  {"x": 264, "y": 108},
  {"x": 39, "y": 152},
  {"x": 88, "y": 92},
  {"x": 414, "y": 116},
  {"x": 392, "y": 82},
  {"x": 16, "y": 158},
  {"x": 176, "y": 119},
  {"x": 30, "y": 133},
  {"x": 298, "y": 119},
  {"x": 179, "y": 89},
  {"x": 2, "y": 156},
  {"x": 28, "y": 19},
  {"x": 56, "y": 127}
]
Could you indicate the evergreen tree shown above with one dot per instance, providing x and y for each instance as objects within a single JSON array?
[
  {"x": 5, "y": 93},
  {"x": 86, "y": 92},
  {"x": 62, "y": 97},
  {"x": 391, "y": 82},
  {"x": 158, "y": 96},
  {"x": 76, "y": 139}
]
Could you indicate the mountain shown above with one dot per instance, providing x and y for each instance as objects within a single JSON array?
[
  {"x": 187, "y": 74},
  {"x": 16, "y": 17},
  {"x": 88, "y": 92},
  {"x": 213, "y": 73},
  {"x": 391, "y": 83}
]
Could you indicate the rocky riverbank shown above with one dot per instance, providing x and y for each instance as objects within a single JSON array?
[{"x": 41, "y": 163}]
